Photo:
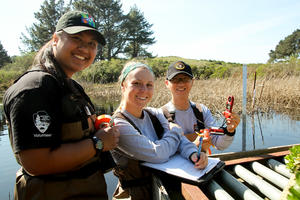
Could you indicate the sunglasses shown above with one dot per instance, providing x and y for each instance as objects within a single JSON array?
[{"x": 181, "y": 79}]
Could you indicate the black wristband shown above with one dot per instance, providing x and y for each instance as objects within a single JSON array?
[
  {"x": 190, "y": 157},
  {"x": 228, "y": 133}
]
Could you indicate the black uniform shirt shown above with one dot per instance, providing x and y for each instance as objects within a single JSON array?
[{"x": 32, "y": 106}]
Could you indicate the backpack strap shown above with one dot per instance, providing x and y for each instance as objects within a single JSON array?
[
  {"x": 156, "y": 124},
  {"x": 122, "y": 116},
  {"x": 169, "y": 115},
  {"x": 197, "y": 110},
  {"x": 199, "y": 116},
  {"x": 159, "y": 130}
]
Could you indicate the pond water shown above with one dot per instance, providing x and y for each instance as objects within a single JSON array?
[{"x": 262, "y": 131}]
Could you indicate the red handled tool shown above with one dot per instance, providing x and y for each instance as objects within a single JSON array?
[{"x": 229, "y": 105}]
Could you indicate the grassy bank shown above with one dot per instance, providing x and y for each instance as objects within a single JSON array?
[
  {"x": 277, "y": 87},
  {"x": 272, "y": 95}
]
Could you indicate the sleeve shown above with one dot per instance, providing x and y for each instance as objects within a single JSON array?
[
  {"x": 185, "y": 148},
  {"x": 140, "y": 147},
  {"x": 34, "y": 117},
  {"x": 221, "y": 142}
]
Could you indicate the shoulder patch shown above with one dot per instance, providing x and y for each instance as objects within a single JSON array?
[{"x": 41, "y": 121}]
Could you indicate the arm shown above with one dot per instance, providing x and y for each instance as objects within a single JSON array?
[
  {"x": 67, "y": 156},
  {"x": 36, "y": 122},
  {"x": 221, "y": 142},
  {"x": 43, "y": 161},
  {"x": 147, "y": 147}
]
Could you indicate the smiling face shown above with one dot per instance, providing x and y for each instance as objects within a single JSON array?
[
  {"x": 74, "y": 52},
  {"x": 137, "y": 90},
  {"x": 180, "y": 86}
]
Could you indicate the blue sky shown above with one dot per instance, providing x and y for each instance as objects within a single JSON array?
[{"x": 242, "y": 31}]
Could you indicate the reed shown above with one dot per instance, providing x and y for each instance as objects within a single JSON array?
[{"x": 280, "y": 95}]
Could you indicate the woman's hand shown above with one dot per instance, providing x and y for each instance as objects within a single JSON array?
[
  {"x": 232, "y": 121},
  {"x": 109, "y": 137},
  {"x": 200, "y": 163}
]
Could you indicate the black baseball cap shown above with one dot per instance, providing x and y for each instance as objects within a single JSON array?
[
  {"x": 74, "y": 22},
  {"x": 179, "y": 67}
]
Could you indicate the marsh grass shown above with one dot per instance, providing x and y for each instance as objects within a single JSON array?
[{"x": 280, "y": 95}]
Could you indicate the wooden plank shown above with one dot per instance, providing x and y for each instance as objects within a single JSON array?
[
  {"x": 192, "y": 192},
  {"x": 243, "y": 154},
  {"x": 255, "y": 158}
]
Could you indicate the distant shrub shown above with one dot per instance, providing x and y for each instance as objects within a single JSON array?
[
  {"x": 20, "y": 63},
  {"x": 8, "y": 76},
  {"x": 109, "y": 71},
  {"x": 102, "y": 72}
]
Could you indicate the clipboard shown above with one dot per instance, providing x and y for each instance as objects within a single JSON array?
[{"x": 183, "y": 170}]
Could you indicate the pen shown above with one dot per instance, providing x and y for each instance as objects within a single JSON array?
[{"x": 200, "y": 146}]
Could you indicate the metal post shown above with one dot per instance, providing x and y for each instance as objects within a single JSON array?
[
  {"x": 239, "y": 188},
  {"x": 244, "y": 111},
  {"x": 279, "y": 167},
  {"x": 269, "y": 175},
  {"x": 218, "y": 192},
  {"x": 264, "y": 187}
]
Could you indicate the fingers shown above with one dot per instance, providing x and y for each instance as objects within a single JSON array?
[
  {"x": 109, "y": 136},
  {"x": 202, "y": 161},
  {"x": 232, "y": 121}
]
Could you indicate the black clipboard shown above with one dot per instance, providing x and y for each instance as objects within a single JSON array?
[{"x": 200, "y": 181}]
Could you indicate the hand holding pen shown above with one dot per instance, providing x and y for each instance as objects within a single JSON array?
[{"x": 199, "y": 158}]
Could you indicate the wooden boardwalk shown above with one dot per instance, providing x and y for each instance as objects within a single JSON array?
[{"x": 258, "y": 174}]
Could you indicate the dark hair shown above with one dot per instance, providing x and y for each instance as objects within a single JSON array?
[{"x": 44, "y": 60}]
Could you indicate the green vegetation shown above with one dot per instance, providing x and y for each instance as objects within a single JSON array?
[
  {"x": 286, "y": 48},
  {"x": 293, "y": 159},
  {"x": 10, "y": 71},
  {"x": 4, "y": 57},
  {"x": 293, "y": 163},
  {"x": 126, "y": 34},
  {"x": 106, "y": 71}
]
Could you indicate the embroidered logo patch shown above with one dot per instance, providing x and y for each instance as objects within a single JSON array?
[
  {"x": 179, "y": 66},
  {"x": 41, "y": 121},
  {"x": 87, "y": 19}
]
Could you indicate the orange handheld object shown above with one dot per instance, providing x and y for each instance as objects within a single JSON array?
[
  {"x": 229, "y": 105},
  {"x": 103, "y": 121}
]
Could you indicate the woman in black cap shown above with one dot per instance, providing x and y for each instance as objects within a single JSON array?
[
  {"x": 51, "y": 119},
  {"x": 191, "y": 116}
]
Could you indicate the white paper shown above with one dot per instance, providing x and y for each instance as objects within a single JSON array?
[{"x": 179, "y": 166}]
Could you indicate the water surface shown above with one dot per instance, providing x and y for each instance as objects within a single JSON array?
[{"x": 266, "y": 131}]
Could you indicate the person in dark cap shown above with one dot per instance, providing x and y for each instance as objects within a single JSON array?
[
  {"x": 145, "y": 135},
  {"x": 51, "y": 119},
  {"x": 191, "y": 116}
]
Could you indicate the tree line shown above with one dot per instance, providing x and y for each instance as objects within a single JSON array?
[{"x": 126, "y": 35}]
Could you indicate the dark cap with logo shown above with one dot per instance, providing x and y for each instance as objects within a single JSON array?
[
  {"x": 179, "y": 67},
  {"x": 74, "y": 22}
]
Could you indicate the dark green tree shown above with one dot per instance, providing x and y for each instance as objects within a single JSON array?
[
  {"x": 41, "y": 31},
  {"x": 110, "y": 20},
  {"x": 4, "y": 57},
  {"x": 286, "y": 48},
  {"x": 138, "y": 34}
]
